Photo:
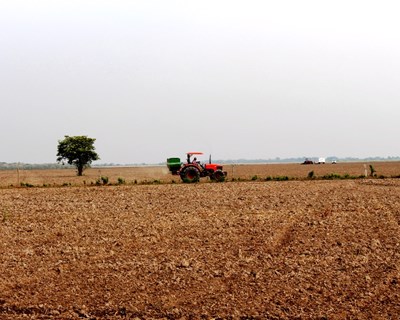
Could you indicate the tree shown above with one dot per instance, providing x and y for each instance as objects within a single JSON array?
[{"x": 77, "y": 151}]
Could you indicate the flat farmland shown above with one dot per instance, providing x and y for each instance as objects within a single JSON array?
[
  {"x": 262, "y": 250},
  {"x": 161, "y": 174}
]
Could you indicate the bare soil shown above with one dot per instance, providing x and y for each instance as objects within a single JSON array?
[{"x": 263, "y": 250}]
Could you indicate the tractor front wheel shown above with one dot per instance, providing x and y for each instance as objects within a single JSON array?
[{"x": 190, "y": 174}]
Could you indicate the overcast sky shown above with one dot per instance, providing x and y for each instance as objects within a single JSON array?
[{"x": 153, "y": 79}]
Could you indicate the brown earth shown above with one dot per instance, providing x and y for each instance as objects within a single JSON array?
[{"x": 265, "y": 250}]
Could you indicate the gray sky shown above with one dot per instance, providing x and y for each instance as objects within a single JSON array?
[{"x": 237, "y": 79}]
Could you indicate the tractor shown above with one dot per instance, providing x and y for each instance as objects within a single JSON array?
[{"x": 191, "y": 170}]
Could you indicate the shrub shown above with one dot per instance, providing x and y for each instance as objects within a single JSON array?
[
  {"x": 372, "y": 170},
  {"x": 104, "y": 179},
  {"x": 332, "y": 176},
  {"x": 254, "y": 178},
  {"x": 310, "y": 175},
  {"x": 26, "y": 184},
  {"x": 121, "y": 180},
  {"x": 278, "y": 178},
  {"x": 281, "y": 178}
]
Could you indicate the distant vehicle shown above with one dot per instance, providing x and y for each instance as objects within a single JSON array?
[
  {"x": 334, "y": 161},
  {"x": 321, "y": 161},
  {"x": 308, "y": 161}
]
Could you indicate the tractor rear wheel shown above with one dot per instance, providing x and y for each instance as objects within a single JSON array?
[
  {"x": 190, "y": 174},
  {"x": 219, "y": 175}
]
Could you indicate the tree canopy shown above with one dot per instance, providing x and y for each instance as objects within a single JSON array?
[{"x": 78, "y": 151}]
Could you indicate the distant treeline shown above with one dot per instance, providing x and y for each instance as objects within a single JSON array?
[
  {"x": 29, "y": 166},
  {"x": 301, "y": 160},
  {"x": 44, "y": 166}
]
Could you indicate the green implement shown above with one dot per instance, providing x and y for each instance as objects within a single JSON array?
[{"x": 174, "y": 164}]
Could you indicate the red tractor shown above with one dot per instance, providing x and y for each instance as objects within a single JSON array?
[{"x": 192, "y": 170}]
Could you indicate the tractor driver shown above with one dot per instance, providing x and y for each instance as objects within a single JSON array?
[{"x": 196, "y": 162}]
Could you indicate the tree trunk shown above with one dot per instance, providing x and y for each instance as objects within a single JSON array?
[{"x": 80, "y": 169}]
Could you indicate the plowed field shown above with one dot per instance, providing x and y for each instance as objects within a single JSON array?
[{"x": 267, "y": 250}]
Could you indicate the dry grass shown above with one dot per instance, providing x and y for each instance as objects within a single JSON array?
[{"x": 298, "y": 249}]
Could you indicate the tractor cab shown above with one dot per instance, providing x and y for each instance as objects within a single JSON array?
[{"x": 194, "y": 161}]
